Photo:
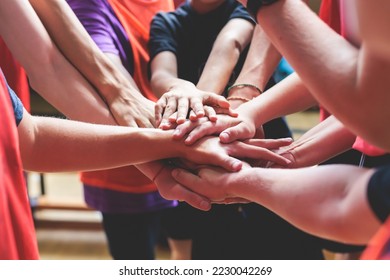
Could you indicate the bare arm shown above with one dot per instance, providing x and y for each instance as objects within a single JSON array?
[
  {"x": 324, "y": 141},
  {"x": 286, "y": 97},
  {"x": 327, "y": 201},
  {"x": 48, "y": 71},
  {"x": 177, "y": 94},
  {"x": 227, "y": 48},
  {"x": 262, "y": 59},
  {"x": 56, "y": 79},
  {"x": 359, "y": 82},
  {"x": 111, "y": 80},
  {"x": 50, "y": 145}
]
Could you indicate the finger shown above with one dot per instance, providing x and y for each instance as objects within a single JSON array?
[
  {"x": 172, "y": 118},
  {"x": 270, "y": 144},
  {"x": 192, "y": 198},
  {"x": 179, "y": 192},
  {"x": 159, "y": 109},
  {"x": 250, "y": 151},
  {"x": 288, "y": 155},
  {"x": 238, "y": 132},
  {"x": 170, "y": 109},
  {"x": 215, "y": 100},
  {"x": 183, "y": 129},
  {"x": 226, "y": 111},
  {"x": 232, "y": 200},
  {"x": 197, "y": 106},
  {"x": 210, "y": 113},
  {"x": 132, "y": 123},
  {"x": 193, "y": 182},
  {"x": 152, "y": 122},
  {"x": 199, "y": 131},
  {"x": 169, "y": 126},
  {"x": 228, "y": 163},
  {"x": 182, "y": 110},
  {"x": 144, "y": 123},
  {"x": 193, "y": 116},
  {"x": 186, "y": 189}
]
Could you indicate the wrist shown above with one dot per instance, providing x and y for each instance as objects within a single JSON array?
[
  {"x": 248, "y": 113},
  {"x": 234, "y": 104},
  {"x": 159, "y": 171},
  {"x": 122, "y": 94},
  {"x": 244, "y": 90},
  {"x": 242, "y": 94},
  {"x": 163, "y": 144},
  {"x": 237, "y": 183},
  {"x": 180, "y": 84}
]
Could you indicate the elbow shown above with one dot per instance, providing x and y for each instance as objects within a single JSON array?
[
  {"x": 41, "y": 74},
  {"x": 231, "y": 44}
]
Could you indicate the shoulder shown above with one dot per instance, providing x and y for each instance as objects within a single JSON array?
[
  {"x": 239, "y": 11},
  {"x": 91, "y": 7},
  {"x": 174, "y": 18}
]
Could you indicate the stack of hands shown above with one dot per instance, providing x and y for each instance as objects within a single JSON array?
[{"x": 223, "y": 146}]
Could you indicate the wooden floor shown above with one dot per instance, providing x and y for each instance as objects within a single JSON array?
[{"x": 77, "y": 235}]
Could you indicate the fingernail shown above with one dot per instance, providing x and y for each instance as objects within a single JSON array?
[
  {"x": 204, "y": 205},
  {"x": 237, "y": 165},
  {"x": 175, "y": 172},
  {"x": 224, "y": 136},
  {"x": 165, "y": 125},
  {"x": 200, "y": 114},
  {"x": 176, "y": 133},
  {"x": 187, "y": 141}
]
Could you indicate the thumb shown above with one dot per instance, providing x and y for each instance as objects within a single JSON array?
[
  {"x": 238, "y": 132},
  {"x": 213, "y": 99},
  {"x": 228, "y": 163}
]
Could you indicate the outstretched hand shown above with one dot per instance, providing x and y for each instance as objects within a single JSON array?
[
  {"x": 239, "y": 128},
  {"x": 210, "y": 151},
  {"x": 172, "y": 190},
  {"x": 133, "y": 111},
  {"x": 174, "y": 106},
  {"x": 213, "y": 183}
]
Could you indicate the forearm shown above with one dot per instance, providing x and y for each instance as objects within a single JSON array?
[
  {"x": 226, "y": 51},
  {"x": 287, "y": 97},
  {"x": 261, "y": 61},
  {"x": 63, "y": 87},
  {"x": 321, "y": 200},
  {"x": 326, "y": 140},
  {"x": 89, "y": 147},
  {"x": 163, "y": 82},
  {"x": 50, "y": 74},
  {"x": 99, "y": 71},
  {"x": 296, "y": 31}
]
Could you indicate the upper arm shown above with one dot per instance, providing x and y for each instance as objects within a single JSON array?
[
  {"x": 26, "y": 37},
  {"x": 375, "y": 33},
  {"x": 237, "y": 31},
  {"x": 163, "y": 67}
]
